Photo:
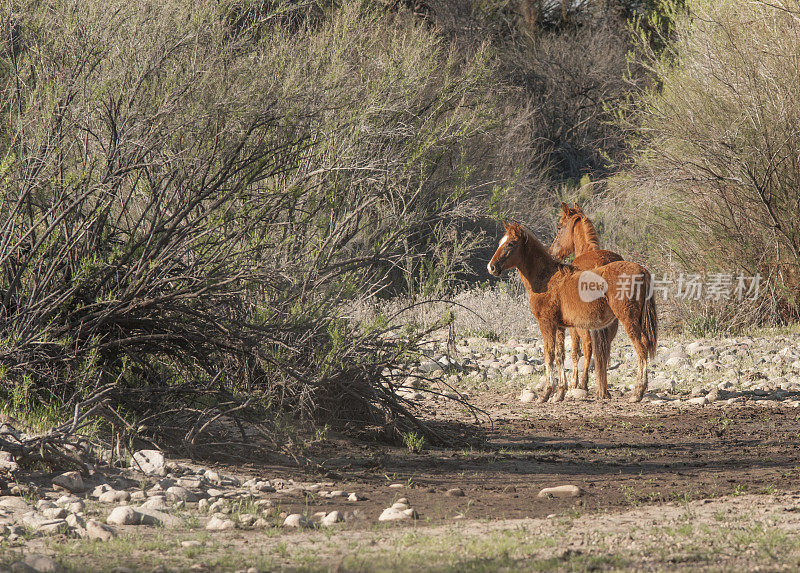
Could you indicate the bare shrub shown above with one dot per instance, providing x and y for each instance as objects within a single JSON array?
[
  {"x": 716, "y": 180},
  {"x": 185, "y": 213}
]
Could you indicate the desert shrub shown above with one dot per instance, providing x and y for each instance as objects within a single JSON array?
[
  {"x": 185, "y": 212},
  {"x": 716, "y": 178}
]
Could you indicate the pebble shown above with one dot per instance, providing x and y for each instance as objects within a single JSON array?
[
  {"x": 455, "y": 492},
  {"x": 699, "y": 401},
  {"x": 527, "y": 396},
  {"x": 355, "y": 497}
]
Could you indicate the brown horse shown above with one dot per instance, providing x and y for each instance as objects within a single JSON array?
[
  {"x": 562, "y": 296},
  {"x": 576, "y": 234}
]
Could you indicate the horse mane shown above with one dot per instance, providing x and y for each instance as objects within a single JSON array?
[
  {"x": 589, "y": 232},
  {"x": 532, "y": 240}
]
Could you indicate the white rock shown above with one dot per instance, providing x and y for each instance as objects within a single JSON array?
[
  {"x": 75, "y": 521},
  {"x": 123, "y": 515},
  {"x": 332, "y": 518},
  {"x": 296, "y": 520},
  {"x": 71, "y": 481},
  {"x": 577, "y": 394},
  {"x": 355, "y": 497},
  {"x": 560, "y": 491},
  {"x": 393, "y": 514},
  {"x": 150, "y": 462},
  {"x": 113, "y": 496},
  {"x": 527, "y": 396},
  {"x": 699, "y": 401},
  {"x": 219, "y": 524}
]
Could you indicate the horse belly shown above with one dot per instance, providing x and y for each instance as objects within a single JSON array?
[{"x": 588, "y": 316}]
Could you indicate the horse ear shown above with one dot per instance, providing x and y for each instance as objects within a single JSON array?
[
  {"x": 565, "y": 207},
  {"x": 578, "y": 208},
  {"x": 506, "y": 225}
]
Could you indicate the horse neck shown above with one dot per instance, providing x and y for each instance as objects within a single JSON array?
[
  {"x": 536, "y": 268},
  {"x": 585, "y": 237}
]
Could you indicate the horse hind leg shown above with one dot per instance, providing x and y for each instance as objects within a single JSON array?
[
  {"x": 575, "y": 352},
  {"x": 635, "y": 334},
  {"x": 586, "y": 340},
  {"x": 601, "y": 344}
]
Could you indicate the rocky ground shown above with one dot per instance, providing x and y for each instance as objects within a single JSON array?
[{"x": 703, "y": 474}]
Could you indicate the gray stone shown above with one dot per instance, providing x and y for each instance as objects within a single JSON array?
[
  {"x": 355, "y": 497},
  {"x": 159, "y": 518},
  {"x": 42, "y": 563},
  {"x": 699, "y": 401},
  {"x": 527, "y": 396},
  {"x": 99, "y": 531},
  {"x": 455, "y": 492},
  {"x": 44, "y": 525},
  {"x": 179, "y": 493},
  {"x": 14, "y": 503},
  {"x": 54, "y": 512},
  {"x": 71, "y": 481}
]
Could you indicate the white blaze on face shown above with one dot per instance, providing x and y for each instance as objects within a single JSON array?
[{"x": 503, "y": 241}]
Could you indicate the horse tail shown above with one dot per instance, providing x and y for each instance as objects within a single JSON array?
[
  {"x": 601, "y": 346},
  {"x": 649, "y": 319}
]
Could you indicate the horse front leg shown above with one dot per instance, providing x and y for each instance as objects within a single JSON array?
[
  {"x": 549, "y": 343},
  {"x": 562, "y": 375}
]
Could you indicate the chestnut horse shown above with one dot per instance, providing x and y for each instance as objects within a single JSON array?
[
  {"x": 576, "y": 234},
  {"x": 562, "y": 296}
]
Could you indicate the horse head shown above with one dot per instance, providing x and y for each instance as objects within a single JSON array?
[
  {"x": 508, "y": 254},
  {"x": 564, "y": 242}
]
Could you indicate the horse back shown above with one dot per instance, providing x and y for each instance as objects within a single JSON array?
[{"x": 594, "y": 259}]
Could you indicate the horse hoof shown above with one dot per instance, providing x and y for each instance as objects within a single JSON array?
[
  {"x": 543, "y": 398},
  {"x": 635, "y": 398}
]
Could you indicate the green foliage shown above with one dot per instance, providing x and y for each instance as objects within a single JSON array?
[{"x": 414, "y": 442}]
